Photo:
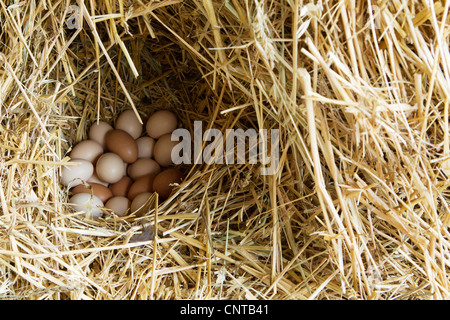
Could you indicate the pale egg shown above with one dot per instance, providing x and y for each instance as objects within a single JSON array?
[
  {"x": 119, "y": 205},
  {"x": 110, "y": 168},
  {"x": 145, "y": 147},
  {"x": 88, "y": 150},
  {"x": 97, "y": 132},
  {"x": 88, "y": 204},
  {"x": 76, "y": 172},
  {"x": 95, "y": 179},
  {"x": 128, "y": 122}
]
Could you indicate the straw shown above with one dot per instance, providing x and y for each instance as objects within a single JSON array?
[{"x": 357, "y": 208}]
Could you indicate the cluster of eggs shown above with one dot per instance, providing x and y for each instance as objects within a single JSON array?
[{"x": 119, "y": 168}]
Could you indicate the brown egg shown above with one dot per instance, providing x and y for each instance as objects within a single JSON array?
[
  {"x": 88, "y": 150},
  {"x": 121, "y": 143},
  {"x": 142, "y": 167},
  {"x": 73, "y": 175},
  {"x": 143, "y": 184},
  {"x": 145, "y": 147},
  {"x": 98, "y": 131},
  {"x": 139, "y": 205},
  {"x": 100, "y": 191},
  {"x": 121, "y": 187},
  {"x": 110, "y": 168},
  {"x": 162, "y": 151},
  {"x": 160, "y": 123},
  {"x": 119, "y": 205},
  {"x": 163, "y": 180},
  {"x": 128, "y": 122}
]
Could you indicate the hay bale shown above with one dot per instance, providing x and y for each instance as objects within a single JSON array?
[{"x": 357, "y": 210}]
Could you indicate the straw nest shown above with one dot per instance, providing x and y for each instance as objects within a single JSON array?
[{"x": 358, "y": 208}]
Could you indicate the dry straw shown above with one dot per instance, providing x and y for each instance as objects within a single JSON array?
[{"x": 357, "y": 210}]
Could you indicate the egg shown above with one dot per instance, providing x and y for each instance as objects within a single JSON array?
[
  {"x": 143, "y": 184},
  {"x": 128, "y": 122},
  {"x": 89, "y": 204},
  {"x": 97, "y": 132},
  {"x": 74, "y": 174},
  {"x": 95, "y": 179},
  {"x": 162, "y": 182},
  {"x": 142, "y": 167},
  {"x": 162, "y": 151},
  {"x": 100, "y": 191},
  {"x": 110, "y": 168},
  {"x": 145, "y": 147},
  {"x": 119, "y": 205},
  {"x": 122, "y": 144},
  {"x": 125, "y": 168},
  {"x": 121, "y": 187},
  {"x": 88, "y": 150},
  {"x": 140, "y": 204},
  {"x": 160, "y": 123}
]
